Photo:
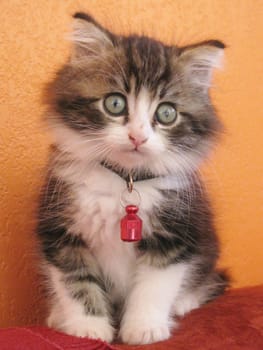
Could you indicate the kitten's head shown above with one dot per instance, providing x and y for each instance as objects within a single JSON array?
[{"x": 134, "y": 102}]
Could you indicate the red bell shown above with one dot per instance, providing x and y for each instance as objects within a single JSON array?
[{"x": 131, "y": 225}]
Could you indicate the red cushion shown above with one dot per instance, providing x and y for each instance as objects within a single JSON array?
[
  {"x": 41, "y": 338},
  {"x": 232, "y": 322}
]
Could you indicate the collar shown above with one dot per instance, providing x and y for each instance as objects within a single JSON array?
[
  {"x": 126, "y": 175},
  {"x": 166, "y": 182}
]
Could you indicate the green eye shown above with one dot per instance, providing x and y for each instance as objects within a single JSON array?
[
  {"x": 115, "y": 104},
  {"x": 166, "y": 114}
]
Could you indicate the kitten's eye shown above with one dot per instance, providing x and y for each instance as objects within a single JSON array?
[
  {"x": 115, "y": 104},
  {"x": 166, "y": 114}
]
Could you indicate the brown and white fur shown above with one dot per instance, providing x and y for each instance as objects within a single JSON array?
[{"x": 102, "y": 287}]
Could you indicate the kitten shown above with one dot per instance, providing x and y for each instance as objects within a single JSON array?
[{"x": 129, "y": 108}]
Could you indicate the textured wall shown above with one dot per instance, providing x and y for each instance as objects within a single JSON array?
[{"x": 33, "y": 46}]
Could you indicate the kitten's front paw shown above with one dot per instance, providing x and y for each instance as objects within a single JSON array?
[
  {"x": 94, "y": 327},
  {"x": 143, "y": 333}
]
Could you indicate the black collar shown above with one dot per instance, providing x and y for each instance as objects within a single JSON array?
[{"x": 125, "y": 174}]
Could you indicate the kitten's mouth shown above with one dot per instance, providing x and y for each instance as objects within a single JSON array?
[
  {"x": 133, "y": 154},
  {"x": 135, "y": 151}
]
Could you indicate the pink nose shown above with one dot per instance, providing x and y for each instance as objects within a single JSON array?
[{"x": 137, "y": 141}]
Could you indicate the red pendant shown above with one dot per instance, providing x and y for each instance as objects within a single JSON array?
[{"x": 131, "y": 225}]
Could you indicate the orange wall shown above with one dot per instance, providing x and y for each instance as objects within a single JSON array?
[{"x": 33, "y": 47}]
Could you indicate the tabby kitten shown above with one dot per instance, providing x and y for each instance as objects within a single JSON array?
[{"x": 128, "y": 109}]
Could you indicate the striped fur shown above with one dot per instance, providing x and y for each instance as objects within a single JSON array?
[{"x": 100, "y": 286}]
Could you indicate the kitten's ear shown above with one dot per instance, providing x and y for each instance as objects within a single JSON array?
[
  {"x": 89, "y": 37},
  {"x": 198, "y": 61}
]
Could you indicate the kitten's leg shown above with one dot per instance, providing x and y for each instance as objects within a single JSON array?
[
  {"x": 213, "y": 285},
  {"x": 80, "y": 305},
  {"x": 148, "y": 312}
]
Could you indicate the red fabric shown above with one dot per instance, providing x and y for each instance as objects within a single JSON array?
[
  {"x": 40, "y": 338},
  {"x": 232, "y": 322}
]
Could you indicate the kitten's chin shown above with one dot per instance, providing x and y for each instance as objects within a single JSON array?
[{"x": 131, "y": 159}]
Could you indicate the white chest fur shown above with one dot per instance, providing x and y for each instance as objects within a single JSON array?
[{"x": 97, "y": 220}]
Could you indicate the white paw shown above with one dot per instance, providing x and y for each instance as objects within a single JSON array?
[
  {"x": 136, "y": 332},
  {"x": 94, "y": 327},
  {"x": 185, "y": 304}
]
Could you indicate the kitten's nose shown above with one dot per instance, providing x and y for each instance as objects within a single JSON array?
[{"x": 137, "y": 140}]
